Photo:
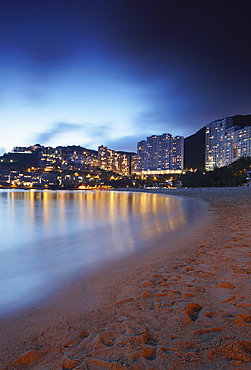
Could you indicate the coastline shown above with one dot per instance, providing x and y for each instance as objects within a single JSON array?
[{"x": 187, "y": 307}]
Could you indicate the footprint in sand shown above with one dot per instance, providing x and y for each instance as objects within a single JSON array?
[
  {"x": 225, "y": 284},
  {"x": 193, "y": 310},
  {"x": 107, "y": 338}
]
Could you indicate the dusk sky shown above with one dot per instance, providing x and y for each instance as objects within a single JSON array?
[{"x": 112, "y": 72}]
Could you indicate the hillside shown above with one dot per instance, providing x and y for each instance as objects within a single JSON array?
[{"x": 194, "y": 150}]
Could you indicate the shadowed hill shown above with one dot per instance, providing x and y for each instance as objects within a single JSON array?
[
  {"x": 18, "y": 161},
  {"x": 194, "y": 150},
  {"x": 241, "y": 120}
]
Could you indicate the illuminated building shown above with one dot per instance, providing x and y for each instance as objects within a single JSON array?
[
  {"x": 134, "y": 163},
  {"x": 48, "y": 156},
  {"x": 78, "y": 158},
  {"x": 116, "y": 161},
  {"x": 177, "y": 152},
  {"x": 215, "y": 142},
  {"x": 226, "y": 142},
  {"x": 22, "y": 149},
  {"x": 160, "y": 153},
  {"x": 8, "y": 176},
  {"x": 141, "y": 149},
  {"x": 249, "y": 177},
  {"x": 243, "y": 142}
]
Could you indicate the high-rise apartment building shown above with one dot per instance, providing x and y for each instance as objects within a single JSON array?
[
  {"x": 160, "y": 153},
  {"x": 226, "y": 142},
  {"x": 177, "y": 152},
  {"x": 141, "y": 149},
  {"x": 116, "y": 161},
  {"x": 215, "y": 142},
  {"x": 238, "y": 143}
]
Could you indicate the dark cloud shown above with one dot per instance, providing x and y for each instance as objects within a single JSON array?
[
  {"x": 135, "y": 30},
  {"x": 57, "y": 129},
  {"x": 192, "y": 58}
]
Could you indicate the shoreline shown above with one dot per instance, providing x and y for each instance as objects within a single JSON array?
[{"x": 171, "y": 309}]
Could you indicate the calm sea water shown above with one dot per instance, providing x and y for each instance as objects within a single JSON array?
[{"x": 49, "y": 237}]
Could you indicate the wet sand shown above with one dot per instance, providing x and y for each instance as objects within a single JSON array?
[{"x": 187, "y": 306}]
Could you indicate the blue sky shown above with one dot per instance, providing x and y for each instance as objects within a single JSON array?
[{"x": 113, "y": 72}]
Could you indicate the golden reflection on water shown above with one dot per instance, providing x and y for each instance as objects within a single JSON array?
[
  {"x": 53, "y": 209},
  {"x": 118, "y": 223},
  {"x": 51, "y": 236}
]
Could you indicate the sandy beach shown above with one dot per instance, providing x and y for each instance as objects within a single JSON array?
[{"x": 187, "y": 306}]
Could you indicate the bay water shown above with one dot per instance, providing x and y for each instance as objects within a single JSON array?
[{"x": 49, "y": 238}]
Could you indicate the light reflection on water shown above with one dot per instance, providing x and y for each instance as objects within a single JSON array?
[{"x": 49, "y": 237}]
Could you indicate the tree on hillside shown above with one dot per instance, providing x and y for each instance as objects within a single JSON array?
[{"x": 232, "y": 175}]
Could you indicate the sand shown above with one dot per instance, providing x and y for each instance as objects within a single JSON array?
[{"x": 187, "y": 306}]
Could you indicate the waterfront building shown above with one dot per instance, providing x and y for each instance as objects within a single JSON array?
[
  {"x": 242, "y": 143},
  {"x": 177, "y": 153},
  {"x": 133, "y": 163},
  {"x": 141, "y": 149},
  {"x": 116, "y": 161},
  {"x": 215, "y": 142},
  {"x": 226, "y": 142},
  {"x": 8, "y": 176},
  {"x": 160, "y": 154}
]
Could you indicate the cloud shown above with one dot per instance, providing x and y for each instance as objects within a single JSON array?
[
  {"x": 2, "y": 150},
  {"x": 97, "y": 131},
  {"x": 96, "y": 135},
  {"x": 124, "y": 143},
  {"x": 57, "y": 129}
]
